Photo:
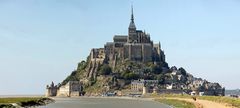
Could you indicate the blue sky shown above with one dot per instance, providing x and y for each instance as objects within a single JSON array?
[{"x": 43, "y": 40}]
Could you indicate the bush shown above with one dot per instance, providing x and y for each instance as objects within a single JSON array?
[
  {"x": 183, "y": 71},
  {"x": 160, "y": 78},
  {"x": 72, "y": 77},
  {"x": 82, "y": 65},
  {"x": 105, "y": 70},
  {"x": 156, "y": 69},
  {"x": 130, "y": 76}
]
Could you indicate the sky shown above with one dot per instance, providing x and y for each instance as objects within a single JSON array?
[{"x": 43, "y": 40}]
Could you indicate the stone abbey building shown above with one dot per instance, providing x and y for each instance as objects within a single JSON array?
[{"x": 136, "y": 46}]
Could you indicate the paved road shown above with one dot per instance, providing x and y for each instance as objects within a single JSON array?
[{"x": 103, "y": 103}]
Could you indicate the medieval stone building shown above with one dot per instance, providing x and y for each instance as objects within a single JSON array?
[
  {"x": 51, "y": 90},
  {"x": 71, "y": 89},
  {"x": 136, "y": 46}
]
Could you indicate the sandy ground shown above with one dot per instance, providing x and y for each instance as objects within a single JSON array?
[{"x": 205, "y": 103}]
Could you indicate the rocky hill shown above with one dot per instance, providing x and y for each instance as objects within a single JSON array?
[
  {"x": 120, "y": 77},
  {"x": 132, "y": 57}
]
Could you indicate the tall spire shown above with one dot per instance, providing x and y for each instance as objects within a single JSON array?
[
  {"x": 132, "y": 25},
  {"x": 160, "y": 45},
  {"x": 132, "y": 17}
]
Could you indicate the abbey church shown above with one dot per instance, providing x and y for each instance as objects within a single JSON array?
[{"x": 136, "y": 46}]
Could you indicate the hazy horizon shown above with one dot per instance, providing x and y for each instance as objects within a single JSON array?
[{"x": 42, "y": 41}]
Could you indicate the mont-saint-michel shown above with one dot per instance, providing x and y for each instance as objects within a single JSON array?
[
  {"x": 109, "y": 54},
  {"x": 131, "y": 65}
]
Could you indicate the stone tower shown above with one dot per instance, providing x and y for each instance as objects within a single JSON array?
[
  {"x": 51, "y": 90},
  {"x": 132, "y": 30}
]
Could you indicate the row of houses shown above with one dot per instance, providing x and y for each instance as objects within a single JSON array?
[{"x": 197, "y": 87}]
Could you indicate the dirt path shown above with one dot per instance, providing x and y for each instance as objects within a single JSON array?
[{"x": 204, "y": 103}]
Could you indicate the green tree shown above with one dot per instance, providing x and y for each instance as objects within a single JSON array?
[
  {"x": 72, "y": 77},
  {"x": 130, "y": 76},
  {"x": 82, "y": 65},
  {"x": 183, "y": 71},
  {"x": 156, "y": 69},
  {"x": 105, "y": 70},
  {"x": 161, "y": 78}
]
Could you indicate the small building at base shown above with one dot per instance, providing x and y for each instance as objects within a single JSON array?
[
  {"x": 51, "y": 90},
  {"x": 71, "y": 89}
]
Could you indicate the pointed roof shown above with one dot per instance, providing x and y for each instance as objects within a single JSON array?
[{"x": 132, "y": 25}]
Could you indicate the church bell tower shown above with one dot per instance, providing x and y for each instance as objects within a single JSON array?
[{"x": 132, "y": 34}]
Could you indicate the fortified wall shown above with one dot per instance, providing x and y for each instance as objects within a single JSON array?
[{"x": 71, "y": 89}]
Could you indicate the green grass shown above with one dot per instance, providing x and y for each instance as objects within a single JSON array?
[
  {"x": 18, "y": 99},
  {"x": 24, "y": 101},
  {"x": 176, "y": 103},
  {"x": 220, "y": 99}
]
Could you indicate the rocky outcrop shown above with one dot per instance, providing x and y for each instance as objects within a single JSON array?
[{"x": 92, "y": 69}]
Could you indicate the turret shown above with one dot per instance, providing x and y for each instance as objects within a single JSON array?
[{"x": 51, "y": 90}]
